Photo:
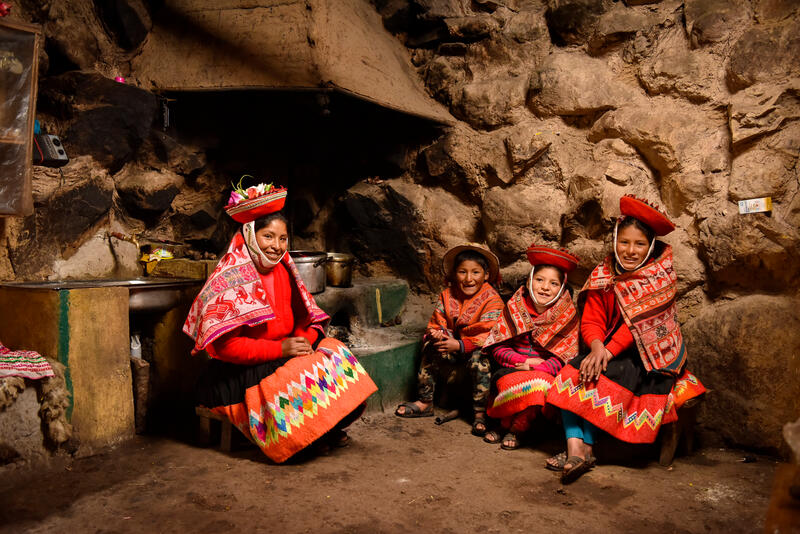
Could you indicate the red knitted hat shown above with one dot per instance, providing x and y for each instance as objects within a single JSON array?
[
  {"x": 250, "y": 209},
  {"x": 647, "y": 213},
  {"x": 550, "y": 256}
]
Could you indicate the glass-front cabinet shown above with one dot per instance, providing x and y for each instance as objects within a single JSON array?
[{"x": 19, "y": 55}]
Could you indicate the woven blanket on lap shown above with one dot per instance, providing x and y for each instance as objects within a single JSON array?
[{"x": 23, "y": 363}]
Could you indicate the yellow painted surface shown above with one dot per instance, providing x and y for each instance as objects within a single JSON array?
[
  {"x": 29, "y": 320},
  {"x": 99, "y": 352},
  {"x": 95, "y": 338}
]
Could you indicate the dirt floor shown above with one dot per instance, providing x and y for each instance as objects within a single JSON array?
[{"x": 397, "y": 475}]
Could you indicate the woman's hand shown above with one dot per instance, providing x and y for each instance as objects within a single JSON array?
[
  {"x": 596, "y": 362},
  {"x": 447, "y": 344},
  {"x": 296, "y": 346}
]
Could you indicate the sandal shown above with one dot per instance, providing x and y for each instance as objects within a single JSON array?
[
  {"x": 412, "y": 410},
  {"x": 337, "y": 438},
  {"x": 493, "y": 437},
  {"x": 478, "y": 422},
  {"x": 557, "y": 461},
  {"x": 579, "y": 467},
  {"x": 511, "y": 438}
]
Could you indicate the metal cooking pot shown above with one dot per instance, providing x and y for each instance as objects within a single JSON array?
[
  {"x": 311, "y": 265},
  {"x": 339, "y": 269}
]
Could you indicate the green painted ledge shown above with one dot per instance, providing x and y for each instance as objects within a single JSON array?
[{"x": 394, "y": 371}]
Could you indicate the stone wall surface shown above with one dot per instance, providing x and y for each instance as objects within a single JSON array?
[{"x": 562, "y": 107}]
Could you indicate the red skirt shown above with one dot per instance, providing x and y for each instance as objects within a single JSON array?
[
  {"x": 518, "y": 390},
  {"x": 301, "y": 400},
  {"x": 626, "y": 401}
]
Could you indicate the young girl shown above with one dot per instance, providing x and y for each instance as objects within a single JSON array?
[
  {"x": 634, "y": 378},
  {"x": 535, "y": 336},
  {"x": 456, "y": 332}
]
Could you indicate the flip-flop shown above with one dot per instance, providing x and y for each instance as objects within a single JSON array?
[
  {"x": 412, "y": 410},
  {"x": 579, "y": 467},
  {"x": 513, "y": 439}
]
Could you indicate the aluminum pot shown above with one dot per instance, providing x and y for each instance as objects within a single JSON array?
[
  {"x": 311, "y": 265},
  {"x": 339, "y": 269}
]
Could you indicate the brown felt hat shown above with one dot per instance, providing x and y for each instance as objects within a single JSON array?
[{"x": 491, "y": 259}]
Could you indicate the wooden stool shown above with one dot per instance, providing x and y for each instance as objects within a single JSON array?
[
  {"x": 671, "y": 434},
  {"x": 204, "y": 428}
]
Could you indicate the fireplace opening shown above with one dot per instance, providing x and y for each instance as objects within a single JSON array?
[{"x": 317, "y": 143}]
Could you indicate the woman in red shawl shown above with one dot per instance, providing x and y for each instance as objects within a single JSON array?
[
  {"x": 274, "y": 374},
  {"x": 531, "y": 341},
  {"x": 634, "y": 377}
]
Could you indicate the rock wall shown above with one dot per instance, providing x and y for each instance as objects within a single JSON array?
[
  {"x": 567, "y": 104},
  {"x": 562, "y": 106}
]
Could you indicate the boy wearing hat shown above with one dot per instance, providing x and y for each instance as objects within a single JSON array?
[{"x": 464, "y": 314}]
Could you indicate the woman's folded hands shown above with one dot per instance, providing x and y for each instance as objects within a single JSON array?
[{"x": 296, "y": 346}]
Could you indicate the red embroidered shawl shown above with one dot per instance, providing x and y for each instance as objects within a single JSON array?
[
  {"x": 234, "y": 296},
  {"x": 646, "y": 298},
  {"x": 556, "y": 330},
  {"x": 471, "y": 319}
]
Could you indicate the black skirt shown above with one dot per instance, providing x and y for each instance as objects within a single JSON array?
[{"x": 224, "y": 384}]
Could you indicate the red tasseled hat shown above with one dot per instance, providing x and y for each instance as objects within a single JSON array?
[
  {"x": 646, "y": 213},
  {"x": 250, "y": 209},
  {"x": 550, "y": 256}
]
